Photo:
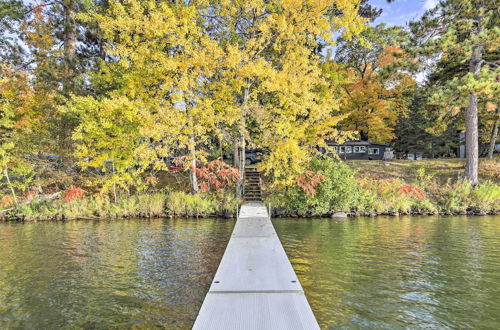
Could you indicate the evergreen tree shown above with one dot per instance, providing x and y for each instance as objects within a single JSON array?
[
  {"x": 12, "y": 13},
  {"x": 463, "y": 32},
  {"x": 272, "y": 75},
  {"x": 414, "y": 130}
]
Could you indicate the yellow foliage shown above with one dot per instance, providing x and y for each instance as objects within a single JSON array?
[
  {"x": 376, "y": 99},
  {"x": 185, "y": 72},
  {"x": 272, "y": 67}
]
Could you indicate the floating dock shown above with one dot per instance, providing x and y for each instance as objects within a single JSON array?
[{"x": 255, "y": 286}]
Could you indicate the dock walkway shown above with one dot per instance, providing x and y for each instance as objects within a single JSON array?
[{"x": 255, "y": 286}]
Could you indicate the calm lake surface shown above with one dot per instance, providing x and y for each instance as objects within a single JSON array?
[
  {"x": 406, "y": 272},
  {"x": 398, "y": 272},
  {"x": 108, "y": 274}
]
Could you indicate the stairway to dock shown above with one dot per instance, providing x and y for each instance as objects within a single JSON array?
[
  {"x": 255, "y": 286},
  {"x": 252, "y": 188}
]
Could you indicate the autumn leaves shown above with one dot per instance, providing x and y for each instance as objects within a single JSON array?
[{"x": 185, "y": 76}]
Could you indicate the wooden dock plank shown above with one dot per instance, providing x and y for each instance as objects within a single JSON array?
[{"x": 255, "y": 286}]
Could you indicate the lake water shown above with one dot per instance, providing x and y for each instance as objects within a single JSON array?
[
  {"x": 399, "y": 272},
  {"x": 108, "y": 274}
]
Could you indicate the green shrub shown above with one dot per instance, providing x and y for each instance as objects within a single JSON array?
[
  {"x": 199, "y": 205},
  {"x": 454, "y": 196},
  {"x": 426, "y": 205},
  {"x": 386, "y": 195},
  {"x": 152, "y": 205},
  {"x": 422, "y": 178},
  {"x": 227, "y": 202},
  {"x": 486, "y": 196},
  {"x": 146, "y": 205},
  {"x": 177, "y": 203},
  {"x": 184, "y": 204},
  {"x": 337, "y": 191}
]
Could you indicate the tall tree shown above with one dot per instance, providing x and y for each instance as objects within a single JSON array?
[
  {"x": 416, "y": 131},
  {"x": 465, "y": 31},
  {"x": 272, "y": 70},
  {"x": 160, "y": 61},
  {"x": 376, "y": 85},
  {"x": 57, "y": 58},
  {"x": 15, "y": 101},
  {"x": 494, "y": 133}
]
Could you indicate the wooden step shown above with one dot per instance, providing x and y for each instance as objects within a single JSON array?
[{"x": 252, "y": 185}]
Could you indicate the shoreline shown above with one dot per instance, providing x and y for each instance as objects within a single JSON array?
[
  {"x": 335, "y": 215},
  {"x": 340, "y": 215}
]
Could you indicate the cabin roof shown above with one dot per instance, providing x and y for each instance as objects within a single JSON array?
[{"x": 355, "y": 143}]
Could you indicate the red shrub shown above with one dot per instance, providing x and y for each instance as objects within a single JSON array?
[
  {"x": 30, "y": 195},
  {"x": 6, "y": 201},
  {"x": 412, "y": 191},
  {"x": 309, "y": 181},
  {"x": 74, "y": 193},
  {"x": 216, "y": 175}
]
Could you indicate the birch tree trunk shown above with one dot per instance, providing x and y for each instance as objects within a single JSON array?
[
  {"x": 11, "y": 187},
  {"x": 192, "y": 171},
  {"x": 115, "y": 194},
  {"x": 242, "y": 145}
]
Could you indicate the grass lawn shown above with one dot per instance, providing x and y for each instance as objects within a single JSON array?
[{"x": 442, "y": 169}]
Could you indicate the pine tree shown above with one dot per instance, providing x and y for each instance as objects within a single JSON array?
[
  {"x": 463, "y": 31},
  {"x": 415, "y": 131}
]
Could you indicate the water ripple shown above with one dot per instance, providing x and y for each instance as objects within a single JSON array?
[
  {"x": 406, "y": 272},
  {"x": 108, "y": 274}
]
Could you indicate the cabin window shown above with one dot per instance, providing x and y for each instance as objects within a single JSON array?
[
  {"x": 359, "y": 150},
  {"x": 341, "y": 150},
  {"x": 373, "y": 151},
  {"x": 348, "y": 150}
]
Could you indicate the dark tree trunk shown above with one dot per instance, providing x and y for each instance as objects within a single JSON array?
[
  {"x": 494, "y": 133},
  {"x": 471, "y": 121},
  {"x": 102, "y": 50},
  {"x": 236, "y": 154},
  {"x": 69, "y": 43}
]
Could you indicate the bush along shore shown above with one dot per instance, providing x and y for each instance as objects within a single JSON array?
[
  {"x": 146, "y": 205},
  {"x": 342, "y": 192},
  {"x": 328, "y": 188}
]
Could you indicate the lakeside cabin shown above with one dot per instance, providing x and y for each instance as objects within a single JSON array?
[{"x": 362, "y": 150}]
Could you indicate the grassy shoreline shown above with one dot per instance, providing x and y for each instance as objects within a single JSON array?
[
  {"x": 145, "y": 205},
  {"x": 57, "y": 212}
]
